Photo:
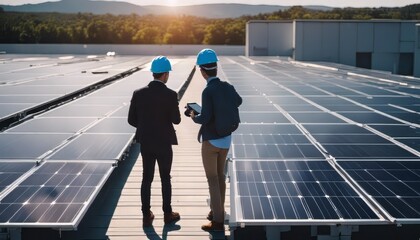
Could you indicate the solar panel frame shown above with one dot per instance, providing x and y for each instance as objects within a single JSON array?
[
  {"x": 237, "y": 217},
  {"x": 16, "y": 211},
  {"x": 390, "y": 182}
]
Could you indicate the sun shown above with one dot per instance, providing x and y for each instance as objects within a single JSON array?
[{"x": 172, "y": 2}]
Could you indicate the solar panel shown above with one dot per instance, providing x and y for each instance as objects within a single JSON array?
[
  {"x": 8, "y": 109},
  {"x": 254, "y": 100},
  {"x": 75, "y": 110},
  {"x": 312, "y": 192},
  {"x": 56, "y": 195},
  {"x": 306, "y": 90},
  {"x": 37, "y": 90},
  {"x": 394, "y": 185},
  {"x": 300, "y": 108},
  {"x": 275, "y": 151},
  {"x": 53, "y": 125},
  {"x": 385, "y": 100},
  {"x": 94, "y": 147},
  {"x": 25, "y": 99},
  {"x": 269, "y": 139},
  {"x": 121, "y": 113},
  {"x": 268, "y": 129},
  {"x": 29, "y": 145},
  {"x": 369, "y": 118},
  {"x": 50, "y": 80},
  {"x": 181, "y": 68},
  {"x": 283, "y": 141},
  {"x": 350, "y": 139},
  {"x": 11, "y": 171},
  {"x": 96, "y": 100},
  {"x": 335, "y": 129},
  {"x": 112, "y": 125},
  {"x": 290, "y": 100},
  {"x": 265, "y": 117},
  {"x": 368, "y": 151},
  {"x": 411, "y": 142},
  {"x": 73, "y": 79},
  {"x": 316, "y": 117},
  {"x": 258, "y": 108},
  {"x": 344, "y": 108},
  {"x": 266, "y": 194}
]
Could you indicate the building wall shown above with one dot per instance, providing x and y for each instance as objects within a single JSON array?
[
  {"x": 382, "y": 45},
  {"x": 356, "y": 43},
  {"x": 269, "y": 38},
  {"x": 417, "y": 52}
]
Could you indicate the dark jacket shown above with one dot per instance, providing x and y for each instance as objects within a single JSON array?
[
  {"x": 212, "y": 100},
  {"x": 153, "y": 111}
]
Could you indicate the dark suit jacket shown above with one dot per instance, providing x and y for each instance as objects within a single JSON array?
[
  {"x": 213, "y": 101},
  {"x": 153, "y": 111}
]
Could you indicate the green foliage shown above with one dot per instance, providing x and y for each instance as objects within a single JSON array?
[{"x": 84, "y": 28}]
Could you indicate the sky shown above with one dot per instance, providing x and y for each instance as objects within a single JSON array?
[{"x": 330, "y": 3}]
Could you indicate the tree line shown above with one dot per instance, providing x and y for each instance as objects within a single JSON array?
[{"x": 85, "y": 28}]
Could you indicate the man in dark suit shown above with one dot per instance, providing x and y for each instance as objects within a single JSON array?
[{"x": 153, "y": 111}]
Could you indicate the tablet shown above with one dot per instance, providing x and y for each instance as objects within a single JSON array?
[{"x": 195, "y": 107}]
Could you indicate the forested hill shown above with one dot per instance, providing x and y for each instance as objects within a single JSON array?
[
  {"x": 124, "y": 8},
  {"x": 84, "y": 28}
]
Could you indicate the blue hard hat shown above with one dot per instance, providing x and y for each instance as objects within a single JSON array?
[
  {"x": 160, "y": 64},
  {"x": 206, "y": 56}
]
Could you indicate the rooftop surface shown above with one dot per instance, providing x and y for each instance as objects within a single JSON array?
[{"x": 312, "y": 114}]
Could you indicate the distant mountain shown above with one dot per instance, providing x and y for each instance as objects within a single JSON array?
[{"x": 116, "y": 8}]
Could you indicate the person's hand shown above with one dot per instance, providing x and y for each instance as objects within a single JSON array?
[{"x": 192, "y": 114}]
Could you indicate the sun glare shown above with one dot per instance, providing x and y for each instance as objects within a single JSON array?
[{"x": 172, "y": 2}]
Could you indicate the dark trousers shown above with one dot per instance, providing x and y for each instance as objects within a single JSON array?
[{"x": 163, "y": 156}]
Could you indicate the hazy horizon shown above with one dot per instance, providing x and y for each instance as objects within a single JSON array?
[{"x": 329, "y": 3}]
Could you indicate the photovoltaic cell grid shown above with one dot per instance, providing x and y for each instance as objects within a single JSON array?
[
  {"x": 38, "y": 81},
  {"x": 274, "y": 141},
  {"x": 286, "y": 190},
  {"x": 69, "y": 122},
  {"x": 55, "y": 195},
  {"x": 395, "y": 185},
  {"x": 338, "y": 116},
  {"x": 34, "y": 140},
  {"x": 76, "y": 143},
  {"x": 11, "y": 171}
]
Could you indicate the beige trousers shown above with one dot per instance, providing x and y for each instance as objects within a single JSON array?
[{"x": 214, "y": 163}]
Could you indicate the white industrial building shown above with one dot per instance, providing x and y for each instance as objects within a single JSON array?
[{"x": 386, "y": 45}]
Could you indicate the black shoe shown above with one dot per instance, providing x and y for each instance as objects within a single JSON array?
[
  {"x": 148, "y": 219},
  {"x": 171, "y": 217}
]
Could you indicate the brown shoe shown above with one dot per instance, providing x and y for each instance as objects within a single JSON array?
[
  {"x": 148, "y": 219},
  {"x": 171, "y": 217},
  {"x": 210, "y": 216},
  {"x": 213, "y": 226}
]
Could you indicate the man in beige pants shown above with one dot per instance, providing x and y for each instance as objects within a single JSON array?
[{"x": 215, "y": 145}]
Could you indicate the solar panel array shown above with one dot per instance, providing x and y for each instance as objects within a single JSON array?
[
  {"x": 32, "y": 81},
  {"x": 55, "y": 164},
  {"x": 322, "y": 147}
]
